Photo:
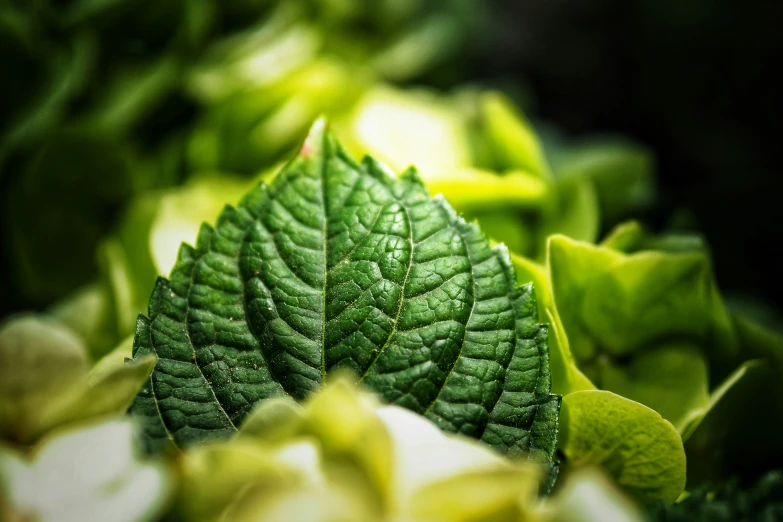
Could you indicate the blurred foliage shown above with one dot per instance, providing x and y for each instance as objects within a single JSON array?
[
  {"x": 48, "y": 381},
  {"x": 339, "y": 456},
  {"x": 113, "y": 98}
]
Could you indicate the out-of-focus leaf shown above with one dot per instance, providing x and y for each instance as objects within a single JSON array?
[
  {"x": 621, "y": 171},
  {"x": 39, "y": 361},
  {"x": 257, "y": 58},
  {"x": 630, "y": 237},
  {"x": 625, "y": 237},
  {"x": 215, "y": 475},
  {"x": 342, "y": 456},
  {"x": 404, "y": 128},
  {"x": 133, "y": 93},
  {"x": 468, "y": 188},
  {"x": 347, "y": 427},
  {"x": 46, "y": 381},
  {"x": 697, "y": 415},
  {"x": 451, "y": 147},
  {"x": 111, "y": 387},
  {"x": 146, "y": 243},
  {"x": 421, "y": 46},
  {"x": 758, "y": 340},
  {"x": 47, "y": 75},
  {"x": 181, "y": 211},
  {"x": 639, "y": 449},
  {"x": 511, "y": 138},
  {"x": 89, "y": 474},
  {"x": 734, "y": 437},
  {"x": 58, "y": 209},
  {"x": 577, "y": 216},
  {"x": 254, "y": 129},
  {"x": 641, "y": 298},
  {"x": 588, "y": 496},
  {"x": 572, "y": 266},
  {"x": 88, "y": 312},
  {"x": 671, "y": 378},
  {"x": 620, "y": 303},
  {"x": 504, "y": 226}
]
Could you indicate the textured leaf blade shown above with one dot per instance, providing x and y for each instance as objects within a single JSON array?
[{"x": 341, "y": 265}]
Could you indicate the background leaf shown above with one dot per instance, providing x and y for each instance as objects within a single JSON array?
[{"x": 640, "y": 450}]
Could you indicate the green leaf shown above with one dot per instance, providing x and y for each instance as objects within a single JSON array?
[
  {"x": 617, "y": 303},
  {"x": 410, "y": 127},
  {"x": 621, "y": 172},
  {"x": 39, "y": 360},
  {"x": 739, "y": 434},
  {"x": 52, "y": 253},
  {"x": 471, "y": 188},
  {"x": 572, "y": 265},
  {"x": 632, "y": 443},
  {"x": 337, "y": 265},
  {"x": 152, "y": 229},
  {"x": 578, "y": 216},
  {"x": 631, "y": 237},
  {"x": 88, "y": 312},
  {"x": 513, "y": 141},
  {"x": 671, "y": 379}
]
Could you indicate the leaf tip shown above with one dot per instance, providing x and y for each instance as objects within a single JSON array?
[{"x": 313, "y": 143}]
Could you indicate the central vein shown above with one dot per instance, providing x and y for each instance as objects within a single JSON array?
[{"x": 324, "y": 231}]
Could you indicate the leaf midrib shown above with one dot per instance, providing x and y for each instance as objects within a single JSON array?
[{"x": 325, "y": 238}]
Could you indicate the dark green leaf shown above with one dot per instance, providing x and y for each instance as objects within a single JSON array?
[{"x": 340, "y": 265}]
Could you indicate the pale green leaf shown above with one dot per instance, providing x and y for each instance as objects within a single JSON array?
[
  {"x": 46, "y": 381},
  {"x": 572, "y": 266},
  {"x": 639, "y": 449},
  {"x": 578, "y": 215},
  {"x": 513, "y": 140},
  {"x": 404, "y": 128},
  {"x": 41, "y": 362},
  {"x": 470, "y": 188},
  {"x": 671, "y": 378}
]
